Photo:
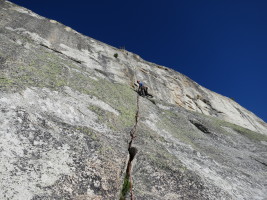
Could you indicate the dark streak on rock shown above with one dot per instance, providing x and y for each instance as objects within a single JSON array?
[
  {"x": 77, "y": 61},
  {"x": 200, "y": 127},
  {"x": 261, "y": 162}
]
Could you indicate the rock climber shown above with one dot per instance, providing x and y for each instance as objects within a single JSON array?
[{"x": 142, "y": 89}]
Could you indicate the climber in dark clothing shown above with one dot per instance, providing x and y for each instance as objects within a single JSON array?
[{"x": 142, "y": 89}]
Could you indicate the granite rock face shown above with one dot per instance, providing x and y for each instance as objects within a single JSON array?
[{"x": 69, "y": 114}]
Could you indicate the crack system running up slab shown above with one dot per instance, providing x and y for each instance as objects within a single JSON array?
[{"x": 128, "y": 184}]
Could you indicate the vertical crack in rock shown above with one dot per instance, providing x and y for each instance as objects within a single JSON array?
[{"x": 128, "y": 184}]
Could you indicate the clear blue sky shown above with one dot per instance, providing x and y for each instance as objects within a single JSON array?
[{"x": 220, "y": 44}]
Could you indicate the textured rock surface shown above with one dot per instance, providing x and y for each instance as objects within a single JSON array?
[{"x": 67, "y": 108}]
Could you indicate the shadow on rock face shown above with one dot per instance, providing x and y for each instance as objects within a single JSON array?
[
  {"x": 132, "y": 152},
  {"x": 200, "y": 127}
]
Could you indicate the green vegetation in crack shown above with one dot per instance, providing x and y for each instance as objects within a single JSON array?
[
  {"x": 125, "y": 187},
  {"x": 116, "y": 55}
]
